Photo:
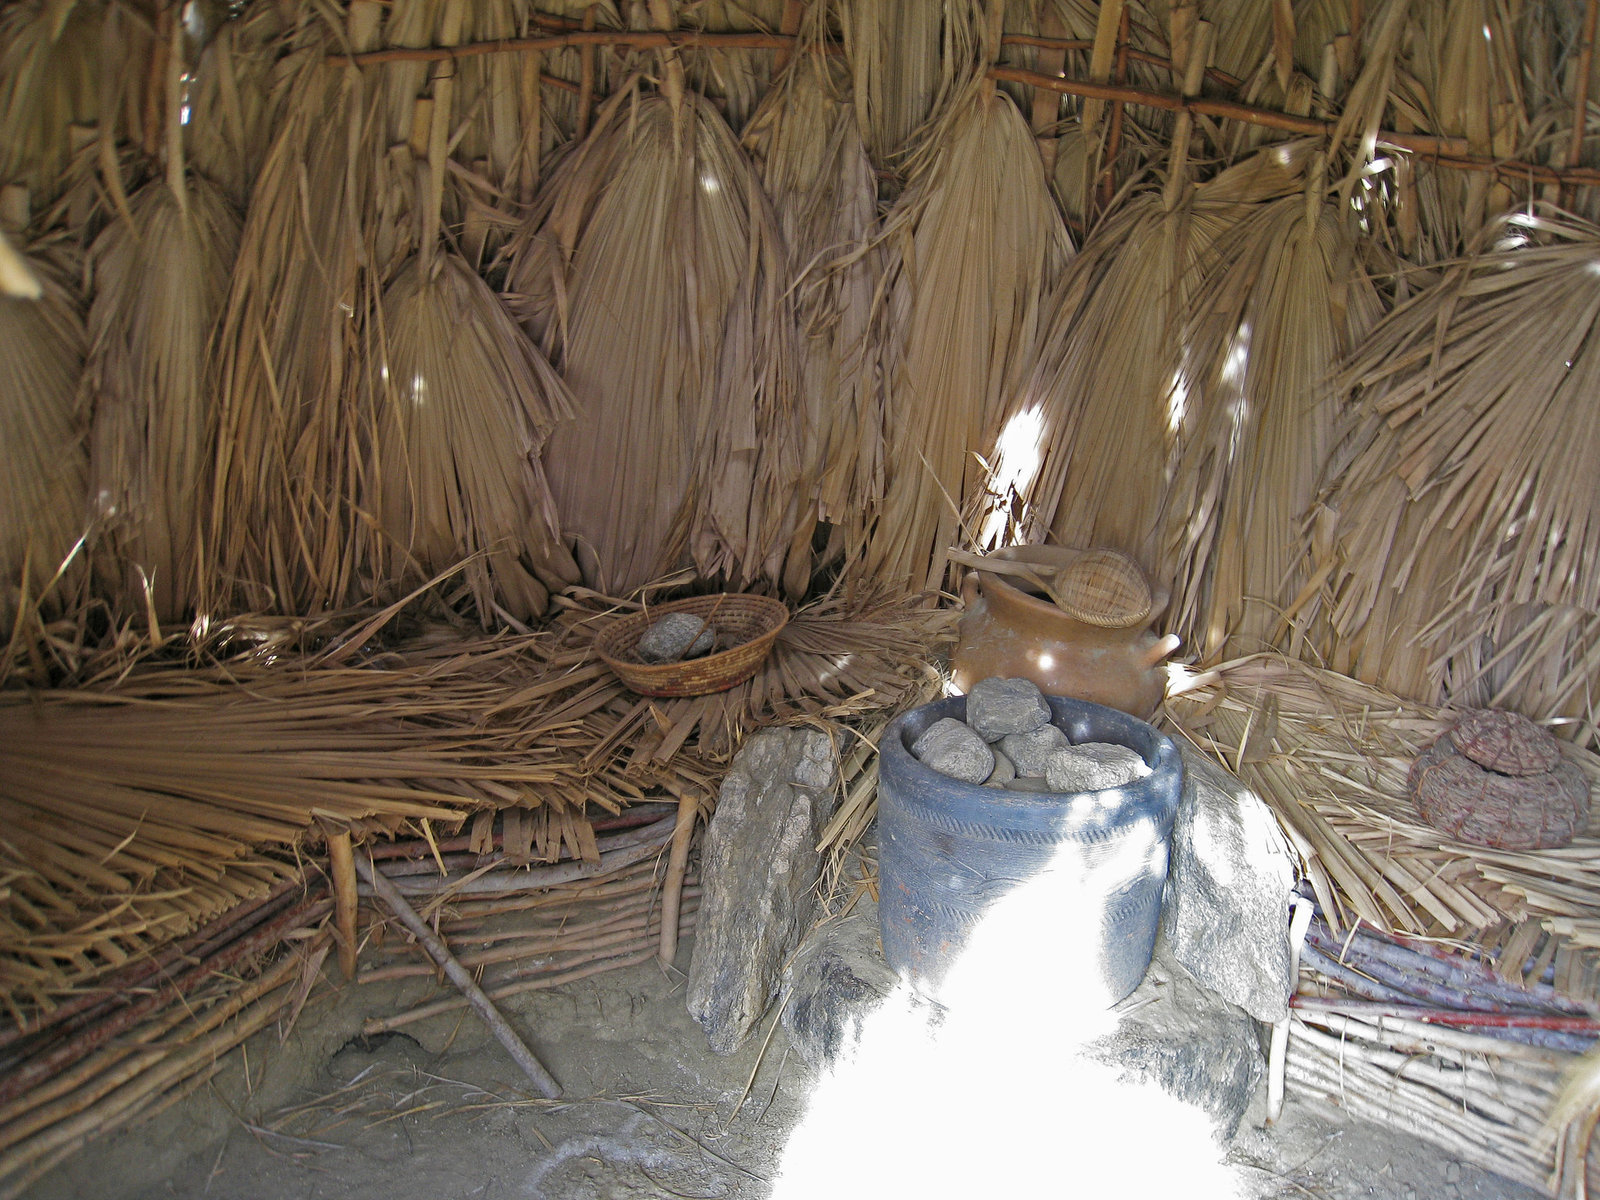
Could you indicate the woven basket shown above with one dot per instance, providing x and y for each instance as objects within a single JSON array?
[
  {"x": 746, "y": 625},
  {"x": 1105, "y": 588}
]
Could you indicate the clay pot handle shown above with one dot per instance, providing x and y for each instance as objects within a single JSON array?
[
  {"x": 969, "y": 589},
  {"x": 1159, "y": 650}
]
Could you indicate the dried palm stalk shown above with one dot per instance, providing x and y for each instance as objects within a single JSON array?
[
  {"x": 1466, "y": 529},
  {"x": 43, "y": 489},
  {"x": 824, "y": 192},
  {"x": 160, "y": 281},
  {"x": 48, "y": 83},
  {"x": 976, "y": 243},
  {"x": 677, "y": 337},
  {"x": 467, "y": 405},
  {"x": 1285, "y": 301}
]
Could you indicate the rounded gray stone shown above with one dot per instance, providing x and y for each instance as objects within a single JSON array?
[
  {"x": 950, "y": 748},
  {"x": 996, "y": 707},
  {"x": 1031, "y": 751},
  {"x": 675, "y": 636},
  {"x": 1094, "y": 767},
  {"x": 1004, "y": 770}
]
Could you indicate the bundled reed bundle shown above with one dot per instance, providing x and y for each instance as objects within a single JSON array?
[
  {"x": 161, "y": 276},
  {"x": 43, "y": 486},
  {"x": 678, "y": 341},
  {"x": 824, "y": 192},
  {"x": 1463, "y": 561},
  {"x": 976, "y": 243},
  {"x": 1330, "y": 756},
  {"x": 1286, "y": 300}
]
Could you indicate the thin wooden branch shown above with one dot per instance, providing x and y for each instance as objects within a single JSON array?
[
  {"x": 677, "y": 865},
  {"x": 342, "y": 870},
  {"x": 542, "y": 1080},
  {"x": 1442, "y": 151}
]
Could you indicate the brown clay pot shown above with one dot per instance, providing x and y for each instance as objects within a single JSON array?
[{"x": 1010, "y": 632}]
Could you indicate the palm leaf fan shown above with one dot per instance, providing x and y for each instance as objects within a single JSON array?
[
  {"x": 160, "y": 282},
  {"x": 976, "y": 243},
  {"x": 49, "y": 53},
  {"x": 676, "y": 336},
  {"x": 824, "y": 191},
  {"x": 901, "y": 74},
  {"x": 1477, "y": 431},
  {"x": 1285, "y": 300},
  {"x": 43, "y": 489}
]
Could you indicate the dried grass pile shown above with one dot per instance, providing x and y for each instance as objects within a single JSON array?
[
  {"x": 1462, "y": 566},
  {"x": 677, "y": 336},
  {"x": 976, "y": 243},
  {"x": 1330, "y": 756}
]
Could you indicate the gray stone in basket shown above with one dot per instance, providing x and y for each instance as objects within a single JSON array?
[
  {"x": 675, "y": 636},
  {"x": 1028, "y": 783},
  {"x": 1004, "y": 770},
  {"x": 1031, "y": 751},
  {"x": 996, "y": 707},
  {"x": 1093, "y": 767},
  {"x": 950, "y": 748}
]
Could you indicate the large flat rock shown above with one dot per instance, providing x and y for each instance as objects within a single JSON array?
[{"x": 758, "y": 874}]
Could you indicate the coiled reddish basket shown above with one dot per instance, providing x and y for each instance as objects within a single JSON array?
[{"x": 746, "y": 626}]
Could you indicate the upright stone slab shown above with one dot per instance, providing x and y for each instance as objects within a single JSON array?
[
  {"x": 1226, "y": 911},
  {"x": 758, "y": 871}
]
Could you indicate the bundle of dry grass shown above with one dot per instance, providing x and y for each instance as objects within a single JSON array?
[
  {"x": 677, "y": 337},
  {"x": 976, "y": 243},
  {"x": 1462, "y": 566},
  {"x": 1286, "y": 300},
  {"x": 824, "y": 192},
  {"x": 160, "y": 280},
  {"x": 1330, "y": 756},
  {"x": 43, "y": 487}
]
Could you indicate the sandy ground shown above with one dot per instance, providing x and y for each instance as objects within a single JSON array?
[{"x": 441, "y": 1113}]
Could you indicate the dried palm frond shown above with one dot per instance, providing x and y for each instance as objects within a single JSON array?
[
  {"x": 285, "y": 480},
  {"x": 824, "y": 192},
  {"x": 48, "y": 83},
  {"x": 976, "y": 243},
  {"x": 160, "y": 282},
  {"x": 677, "y": 336},
  {"x": 1286, "y": 300},
  {"x": 1102, "y": 397},
  {"x": 1466, "y": 522},
  {"x": 736, "y": 80},
  {"x": 43, "y": 489},
  {"x": 902, "y": 62},
  {"x": 467, "y": 403},
  {"x": 233, "y": 102}
]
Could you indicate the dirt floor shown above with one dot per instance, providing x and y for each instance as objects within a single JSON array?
[{"x": 649, "y": 1111}]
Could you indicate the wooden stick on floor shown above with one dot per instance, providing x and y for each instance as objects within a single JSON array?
[
  {"x": 677, "y": 864},
  {"x": 543, "y": 1081},
  {"x": 342, "y": 870}
]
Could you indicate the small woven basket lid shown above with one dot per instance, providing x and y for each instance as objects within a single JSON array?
[{"x": 1106, "y": 588}]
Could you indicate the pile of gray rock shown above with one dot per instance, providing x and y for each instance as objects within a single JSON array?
[
  {"x": 675, "y": 637},
  {"x": 1007, "y": 741}
]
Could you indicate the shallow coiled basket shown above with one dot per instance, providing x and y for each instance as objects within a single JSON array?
[{"x": 746, "y": 626}]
